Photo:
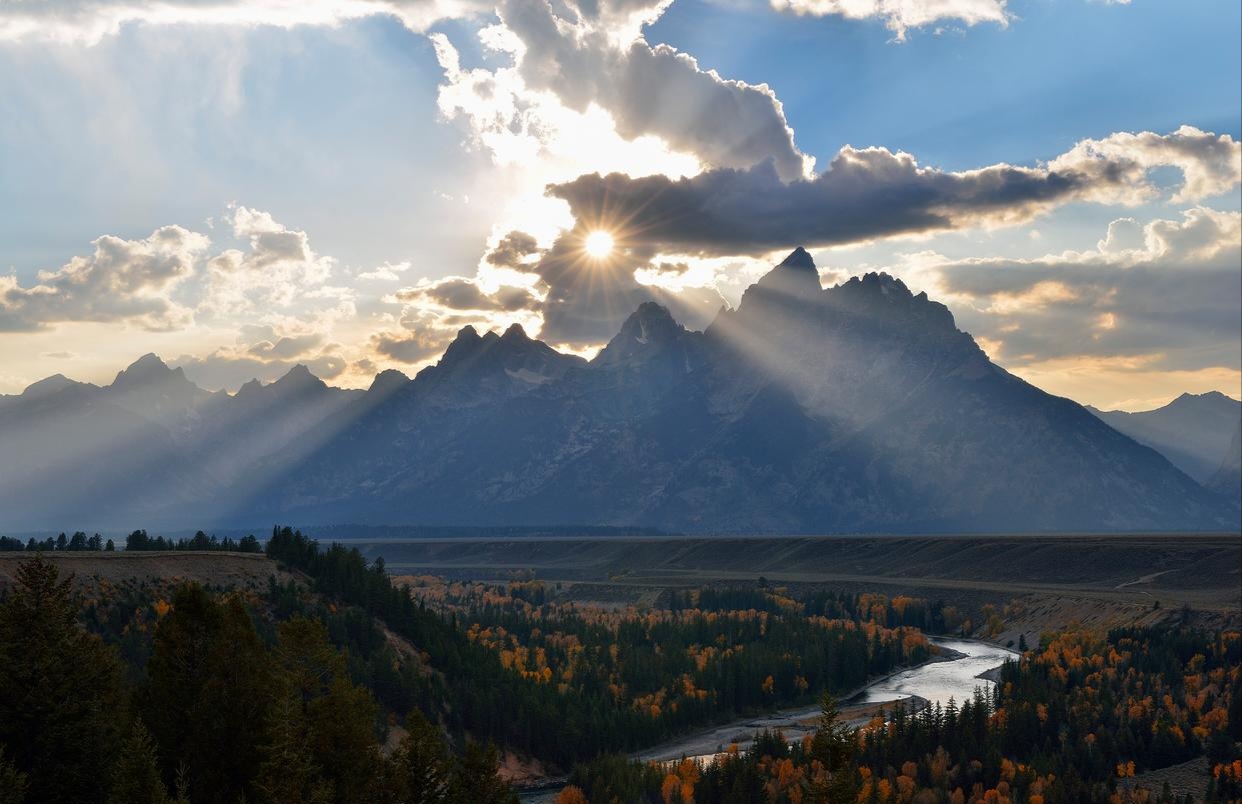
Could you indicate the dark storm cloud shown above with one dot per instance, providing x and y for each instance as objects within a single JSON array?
[{"x": 873, "y": 193}]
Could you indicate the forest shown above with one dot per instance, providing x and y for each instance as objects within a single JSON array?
[
  {"x": 1067, "y": 724},
  {"x": 338, "y": 682}
]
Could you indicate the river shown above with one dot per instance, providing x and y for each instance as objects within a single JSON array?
[{"x": 956, "y": 677}]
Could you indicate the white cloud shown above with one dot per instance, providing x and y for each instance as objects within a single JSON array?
[
  {"x": 278, "y": 270},
  {"x": 901, "y": 15},
  {"x": 88, "y": 21},
  {"x": 1118, "y": 164},
  {"x": 387, "y": 272},
  {"x": 122, "y": 281},
  {"x": 592, "y": 52}
]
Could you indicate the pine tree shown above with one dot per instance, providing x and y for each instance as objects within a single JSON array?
[
  {"x": 13, "y": 783},
  {"x": 339, "y": 715},
  {"x": 209, "y": 688},
  {"x": 474, "y": 778},
  {"x": 288, "y": 774},
  {"x": 136, "y": 776},
  {"x": 834, "y": 746},
  {"x": 423, "y": 763},
  {"x": 62, "y": 698}
]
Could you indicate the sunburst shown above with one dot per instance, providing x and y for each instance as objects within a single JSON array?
[{"x": 598, "y": 244}]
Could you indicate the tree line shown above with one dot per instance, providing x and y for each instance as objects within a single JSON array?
[
  {"x": 136, "y": 541},
  {"x": 221, "y": 715}
]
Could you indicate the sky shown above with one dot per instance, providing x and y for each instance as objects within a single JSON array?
[{"x": 243, "y": 186}]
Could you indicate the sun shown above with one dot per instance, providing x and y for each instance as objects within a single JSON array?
[{"x": 598, "y": 244}]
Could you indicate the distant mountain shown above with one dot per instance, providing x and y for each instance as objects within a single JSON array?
[
  {"x": 857, "y": 408},
  {"x": 1193, "y": 431},
  {"x": 1227, "y": 479},
  {"x": 146, "y": 446}
]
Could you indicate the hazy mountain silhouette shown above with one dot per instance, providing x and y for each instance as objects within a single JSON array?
[
  {"x": 1193, "y": 431},
  {"x": 1227, "y": 479},
  {"x": 857, "y": 408},
  {"x": 148, "y": 445}
]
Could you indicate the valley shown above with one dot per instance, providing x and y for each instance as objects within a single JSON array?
[{"x": 1122, "y": 573}]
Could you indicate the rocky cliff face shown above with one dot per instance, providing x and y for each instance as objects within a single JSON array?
[{"x": 859, "y": 407}]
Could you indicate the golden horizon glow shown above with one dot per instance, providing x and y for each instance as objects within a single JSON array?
[{"x": 598, "y": 244}]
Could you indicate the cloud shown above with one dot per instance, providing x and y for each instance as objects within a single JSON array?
[
  {"x": 462, "y": 293},
  {"x": 126, "y": 281},
  {"x": 409, "y": 346},
  {"x": 279, "y": 269},
  {"x": 872, "y": 193},
  {"x": 1124, "y": 383},
  {"x": 900, "y": 15},
  {"x": 512, "y": 250},
  {"x": 562, "y": 295},
  {"x": 88, "y": 21},
  {"x": 1210, "y": 165},
  {"x": 592, "y": 51},
  {"x": 228, "y": 369},
  {"x": 265, "y": 352},
  {"x": 585, "y": 300},
  {"x": 1164, "y": 297},
  {"x": 285, "y": 347},
  {"x": 388, "y": 272},
  {"x": 585, "y": 63}
]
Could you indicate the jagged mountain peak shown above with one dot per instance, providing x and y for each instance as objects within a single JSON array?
[
  {"x": 388, "y": 381},
  {"x": 798, "y": 258},
  {"x": 249, "y": 389},
  {"x": 515, "y": 332},
  {"x": 49, "y": 385},
  {"x": 465, "y": 342},
  {"x": 513, "y": 354},
  {"x": 148, "y": 369},
  {"x": 877, "y": 282},
  {"x": 881, "y": 297},
  {"x": 149, "y": 361},
  {"x": 149, "y": 365},
  {"x": 795, "y": 277},
  {"x": 648, "y": 329},
  {"x": 299, "y": 376},
  {"x": 149, "y": 379}
]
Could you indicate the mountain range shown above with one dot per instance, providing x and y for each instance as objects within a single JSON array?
[
  {"x": 1193, "y": 432},
  {"x": 857, "y": 408}
]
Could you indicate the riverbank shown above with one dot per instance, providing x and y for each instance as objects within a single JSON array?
[
  {"x": 953, "y": 672},
  {"x": 910, "y": 685}
]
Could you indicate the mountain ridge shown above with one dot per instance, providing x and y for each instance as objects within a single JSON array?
[
  {"x": 1193, "y": 431},
  {"x": 859, "y": 407}
]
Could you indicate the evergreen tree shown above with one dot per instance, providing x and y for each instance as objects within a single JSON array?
[
  {"x": 62, "y": 699},
  {"x": 209, "y": 688},
  {"x": 289, "y": 774},
  {"x": 834, "y": 746},
  {"x": 13, "y": 783},
  {"x": 339, "y": 716},
  {"x": 423, "y": 763},
  {"x": 474, "y": 778},
  {"x": 136, "y": 776}
]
